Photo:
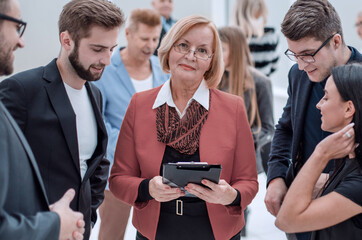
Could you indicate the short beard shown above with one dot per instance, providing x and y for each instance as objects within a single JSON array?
[
  {"x": 83, "y": 73},
  {"x": 6, "y": 63}
]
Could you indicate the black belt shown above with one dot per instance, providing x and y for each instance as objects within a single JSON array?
[{"x": 185, "y": 206}]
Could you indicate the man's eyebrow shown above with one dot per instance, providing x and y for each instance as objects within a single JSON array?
[
  {"x": 306, "y": 50},
  {"x": 101, "y": 46}
]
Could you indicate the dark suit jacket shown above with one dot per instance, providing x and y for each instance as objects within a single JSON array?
[
  {"x": 24, "y": 211},
  {"x": 38, "y": 101},
  {"x": 289, "y": 130}
]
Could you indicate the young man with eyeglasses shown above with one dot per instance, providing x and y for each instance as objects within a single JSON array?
[
  {"x": 24, "y": 209},
  {"x": 315, "y": 41},
  {"x": 133, "y": 69}
]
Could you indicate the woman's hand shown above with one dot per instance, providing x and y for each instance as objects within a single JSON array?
[
  {"x": 162, "y": 192},
  {"x": 221, "y": 193},
  {"x": 338, "y": 144}
]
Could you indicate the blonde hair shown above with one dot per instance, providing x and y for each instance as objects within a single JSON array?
[
  {"x": 246, "y": 14},
  {"x": 145, "y": 16},
  {"x": 181, "y": 27},
  {"x": 240, "y": 78}
]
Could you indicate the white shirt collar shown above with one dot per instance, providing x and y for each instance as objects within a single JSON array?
[{"x": 202, "y": 96}]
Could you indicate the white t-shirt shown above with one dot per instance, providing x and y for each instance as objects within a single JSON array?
[
  {"x": 86, "y": 125},
  {"x": 143, "y": 85}
]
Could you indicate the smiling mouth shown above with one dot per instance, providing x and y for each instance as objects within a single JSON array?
[
  {"x": 187, "y": 67},
  {"x": 98, "y": 69},
  {"x": 309, "y": 72}
]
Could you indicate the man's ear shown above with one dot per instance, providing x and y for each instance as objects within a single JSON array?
[
  {"x": 66, "y": 40},
  {"x": 350, "y": 110},
  {"x": 127, "y": 32},
  {"x": 337, "y": 41}
]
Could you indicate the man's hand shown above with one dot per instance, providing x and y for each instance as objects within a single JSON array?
[
  {"x": 71, "y": 223},
  {"x": 274, "y": 195}
]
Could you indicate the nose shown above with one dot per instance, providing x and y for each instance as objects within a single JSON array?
[
  {"x": 318, "y": 106},
  {"x": 21, "y": 42},
  {"x": 106, "y": 60},
  {"x": 301, "y": 64}
]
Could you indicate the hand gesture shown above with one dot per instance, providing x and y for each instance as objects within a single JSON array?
[
  {"x": 338, "y": 144},
  {"x": 71, "y": 223},
  {"x": 221, "y": 193},
  {"x": 162, "y": 192}
]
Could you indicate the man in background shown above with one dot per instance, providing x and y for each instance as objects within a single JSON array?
[
  {"x": 59, "y": 109},
  {"x": 164, "y": 8},
  {"x": 359, "y": 24},
  {"x": 24, "y": 209},
  {"x": 133, "y": 69}
]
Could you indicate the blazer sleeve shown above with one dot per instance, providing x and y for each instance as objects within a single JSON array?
[
  {"x": 13, "y": 96},
  {"x": 41, "y": 225},
  {"x": 244, "y": 174},
  {"x": 280, "y": 154},
  {"x": 124, "y": 180}
]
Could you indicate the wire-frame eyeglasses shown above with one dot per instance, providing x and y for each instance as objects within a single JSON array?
[{"x": 199, "y": 53}]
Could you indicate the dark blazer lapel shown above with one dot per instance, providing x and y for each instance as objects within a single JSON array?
[
  {"x": 27, "y": 150},
  {"x": 96, "y": 102},
  {"x": 300, "y": 110},
  {"x": 59, "y": 99}
]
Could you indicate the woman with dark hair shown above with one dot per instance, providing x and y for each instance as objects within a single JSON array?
[{"x": 336, "y": 214}]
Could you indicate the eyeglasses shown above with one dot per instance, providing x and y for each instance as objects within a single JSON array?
[
  {"x": 359, "y": 24},
  {"x": 307, "y": 58},
  {"x": 200, "y": 53},
  {"x": 21, "y": 26}
]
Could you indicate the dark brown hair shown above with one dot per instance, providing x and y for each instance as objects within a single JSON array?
[
  {"x": 78, "y": 16},
  {"x": 306, "y": 18}
]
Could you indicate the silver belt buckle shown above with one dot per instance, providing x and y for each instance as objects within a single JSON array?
[{"x": 179, "y": 207}]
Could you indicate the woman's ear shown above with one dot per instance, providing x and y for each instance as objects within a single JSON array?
[{"x": 350, "y": 110}]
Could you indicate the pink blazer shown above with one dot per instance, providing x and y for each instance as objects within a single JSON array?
[{"x": 225, "y": 139}]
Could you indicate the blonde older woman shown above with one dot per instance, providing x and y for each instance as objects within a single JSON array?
[{"x": 186, "y": 119}]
